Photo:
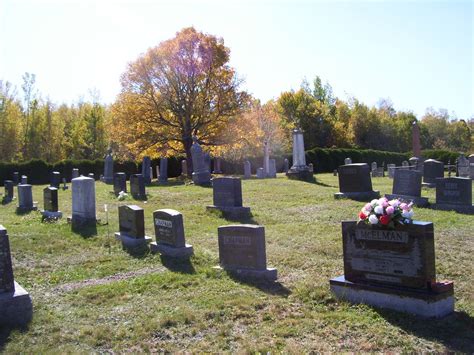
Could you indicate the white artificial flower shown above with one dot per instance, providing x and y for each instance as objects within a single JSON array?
[
  {"x": 378, "y": 209},
  {"x": 407, "y": 214},
  {"x": 374, "y": 202},
  {"x": 373, "y": 219}
]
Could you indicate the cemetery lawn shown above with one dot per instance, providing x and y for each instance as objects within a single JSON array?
[{"x": 91, "y": 296}]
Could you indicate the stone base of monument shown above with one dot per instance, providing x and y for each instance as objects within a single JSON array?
[
  {"x": 131, "y": 242},
  {"x": 418, "y": 201},
  {"x": 79, "y": 222},
  {"x": 20, "y": 209},
  {"x": 270, "y": 274},
  {"x": 358, "y": 196},
  {"x": 231, "y": 212},
  {"x": 202, "y": 178},
  {"x": 423, "y": 303},
  {"x": 430, "y": 185},
  {"x": 49, "y": 215},
  {"x": 171, "y": 251},
  {"x": 16, "y": 308},
  {"x": 466, "y": 209},
  {"x": 300, "y": 174}
]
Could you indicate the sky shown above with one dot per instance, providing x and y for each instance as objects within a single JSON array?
[{"x": 418, "y": 54}]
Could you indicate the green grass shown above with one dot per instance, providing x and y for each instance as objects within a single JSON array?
[{"x": 91, "y": 296}]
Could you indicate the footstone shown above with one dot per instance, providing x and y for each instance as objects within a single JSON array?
[
  {"x": 146, "y": 164},
  {"x": 299, "y": 170},
  {"x": 25, "y": 198},
  {"x": 393, "y": 269},
  {"x": 9, "y": 191},
  {"x": 16, "y": 308},
  {"x": 163, "y": 178},
  {"x": 120, "y": 183},
  {"x": 247, "y": 170},
  {"x": 407, "y": 186},
  {"x": 432, "y": 169},
  {"x": 83, "y": 202},
  {"x": 227, "y": 197},
  {"x": 454, "y": 194},
  {"x": 242, "y": 251},
  {"x": 55, "y": 179},
  {"x": 132, "y": 226},
  {"x": 137, "y": 186},
  {"x": 355, "y": 182},
  {"x": 169, "y": 234}
]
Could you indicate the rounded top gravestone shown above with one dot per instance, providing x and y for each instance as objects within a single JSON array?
[{"x": 83, "y": 199}]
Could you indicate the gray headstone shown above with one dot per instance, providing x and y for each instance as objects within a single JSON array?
[
  {"x": 137, "y": 186},
  {"x": 260, "y": 173},
  {"x": 373, "y": 166},
  {"x": 184, "y": 167},
  {"x": 207, "y": 161},
  {"x": 471, "y": 170},
  {"x": 163, "y": 178},
  {"x": 16, "y": 178},
  {"x": 83, "y": 201},
  {"x": 108, "y": 169},
  {"x": 299, "y": 170},
  {"x": 9, "y": 190},
  {"x": 242, "y": 250},
  {"x": 24, "y": 179},
  {"x": 272, "y": 168},
  {"x": 201, "y": 174},
  {"x": 471, "y": 159},
  {"x": 55, "y": 179},
  {"x": 75, "y": 173},
  {"x": 91, "y": 176},
  {"x": 414, "y": 162},
  {"x": 146, "y": 164},
  {"x": 120, "y": 183},
  {"x": 391, "y": 170},
  {"x": 355, "y": 182},
  {"x": 50, "y": 199},
  {"x": 217, "y": 166},
  {"x": 405, "y": 164},
  {"x": 25, "y": 197},
  {"x": 463, "y": 166},
  {"x": 247, "y": 170},
  {"x": 432, "y": 169},
  {"x": 286, "y": 166},
  {"x": 407, "y": 182},
  {"x": 347, "y": 161}
]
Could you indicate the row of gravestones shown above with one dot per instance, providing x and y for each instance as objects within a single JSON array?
[{"x": 453, "y": 193}]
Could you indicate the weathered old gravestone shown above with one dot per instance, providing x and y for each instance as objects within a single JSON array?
[
  {"x": 16, "y": 178},
  {"x": 132, "y": 227},
  {"x": 260, "y": 173},
  {"x": 347, "y": 161},
  {"x": 266, "y": 157},
  {"x": 163, "y": 178},
  {"x": 286, "y": 165},
  {"x": 169, "y": 233},
  {"x": 299, "y": 170},
  {"x": 355, "y": 182},
  {"x": 247, "y": 170},
  {"x": 432, "y": 169},
  {"x": 16, "y": 308},
  {"x": 217, "y": 166},
  {"x": 91, "y": 176},
  {"x": 201, "y": 174},
  {"x": 55, "y": 179},
  {"x": 378, "y": 172},
  {"x": 9, "y": 188},
  {"x": 414, "y": 163},
  {"x": 25, "y": 198},
  {"x": 108, "y": 177},
  {"x": 146, "y": 164},
  {"x": 227, "y": 197},
  {"x": 463, "y": 166},
  {"x": 83, "y": 202},
  {"x": 471, "y": 166},
  {"x": 391, "y": 170},
  {"x": 75, "y": 173},
  {"x": 407, "y": 186},
  {"x": 393, "y": 269},
  {"x": 272, "y": 172},
  {"x": 24, "y": 179},
  {"x": 184, "y": 168},
  {"x": 120, "y": 183},
  {"x": 405, "y": 164},
  {"x": 137, "y": 186},
  {"x": 454, "y": 194},
  {"x": 373, "y": 166},
  {"x": 50, "y": 201},
  {"x": 242, "y": 251}
]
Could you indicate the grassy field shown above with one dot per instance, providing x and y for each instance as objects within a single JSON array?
[{"x": 91, "y": 296}]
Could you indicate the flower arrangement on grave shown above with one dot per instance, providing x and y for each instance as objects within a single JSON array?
[
  {"x": 122, "y": 196},
  {"x": 385, "y": 213}
]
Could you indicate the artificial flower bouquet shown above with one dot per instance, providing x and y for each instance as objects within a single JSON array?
[{"x": 383, "y": 212}]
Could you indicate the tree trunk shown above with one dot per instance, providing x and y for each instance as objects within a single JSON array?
[{"x": 188, "y": 143}]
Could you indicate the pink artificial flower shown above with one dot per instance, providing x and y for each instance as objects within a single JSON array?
[
  {"x": 404, "y": 206},
  {"x": 390, "y": 210},
  {"x": 383, "y": 202},
  {"x": 368, "y": 207}
]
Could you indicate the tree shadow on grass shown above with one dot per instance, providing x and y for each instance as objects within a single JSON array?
[
  {"x": 271, "y": 287},
  {"x": 169, "y": 183},
  {"x": 455, "y": 331},
  {"x": 181, "y": 265}
]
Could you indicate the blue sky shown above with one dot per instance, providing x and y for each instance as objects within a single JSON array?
[{"x": 417, "y": 53}]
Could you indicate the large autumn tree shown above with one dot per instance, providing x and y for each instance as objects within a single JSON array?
[{"x": 182, "y": 86}]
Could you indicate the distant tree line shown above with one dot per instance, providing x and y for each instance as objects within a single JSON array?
[{"x": 185, "y": 86}]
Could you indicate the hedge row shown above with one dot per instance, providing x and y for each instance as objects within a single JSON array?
[{"x": 323, "y": 160}]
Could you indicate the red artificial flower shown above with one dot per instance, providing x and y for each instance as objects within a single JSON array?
[
  {"x": 385, "y": 219},
  {"x": 362, "y": 215}
]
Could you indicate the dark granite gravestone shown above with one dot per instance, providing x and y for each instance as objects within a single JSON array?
[
  {"x": 432, "y": 169},
  {"x": 407, "y": 186},
  {"x": 286, "y": 165},
  {"x": 25, "y": 198},
  {"x": 393, "y": 269},
  {"x": 169, "y": 233},
  {"x": 355, "y": 182},
  {"x": 217, "y": 166},
  {"x": 108, "y": 177},
  {"x": 75, "y": 173},
  {"x": 50, "y": 201},
  {"x": 16, "y": 178},
  {"x": 137, "y": 186},
  {"x": 9, "y": 188},
  {"x": 55, "y": 179},
  {"x": 163, "y": 178},
  {"x": 242, "y": 251},
  {"x": 132, "y": 226},
  {"x": 120, "y": 183},
  {"x": 16, "y": 308},
  {"x": 24, "y": 179},
  {"x": 91, "y": 175},
  {"x": 455, "y": 194},
  {"x": 227, "y": 197},
  {"x": 146, "y": 164}
]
